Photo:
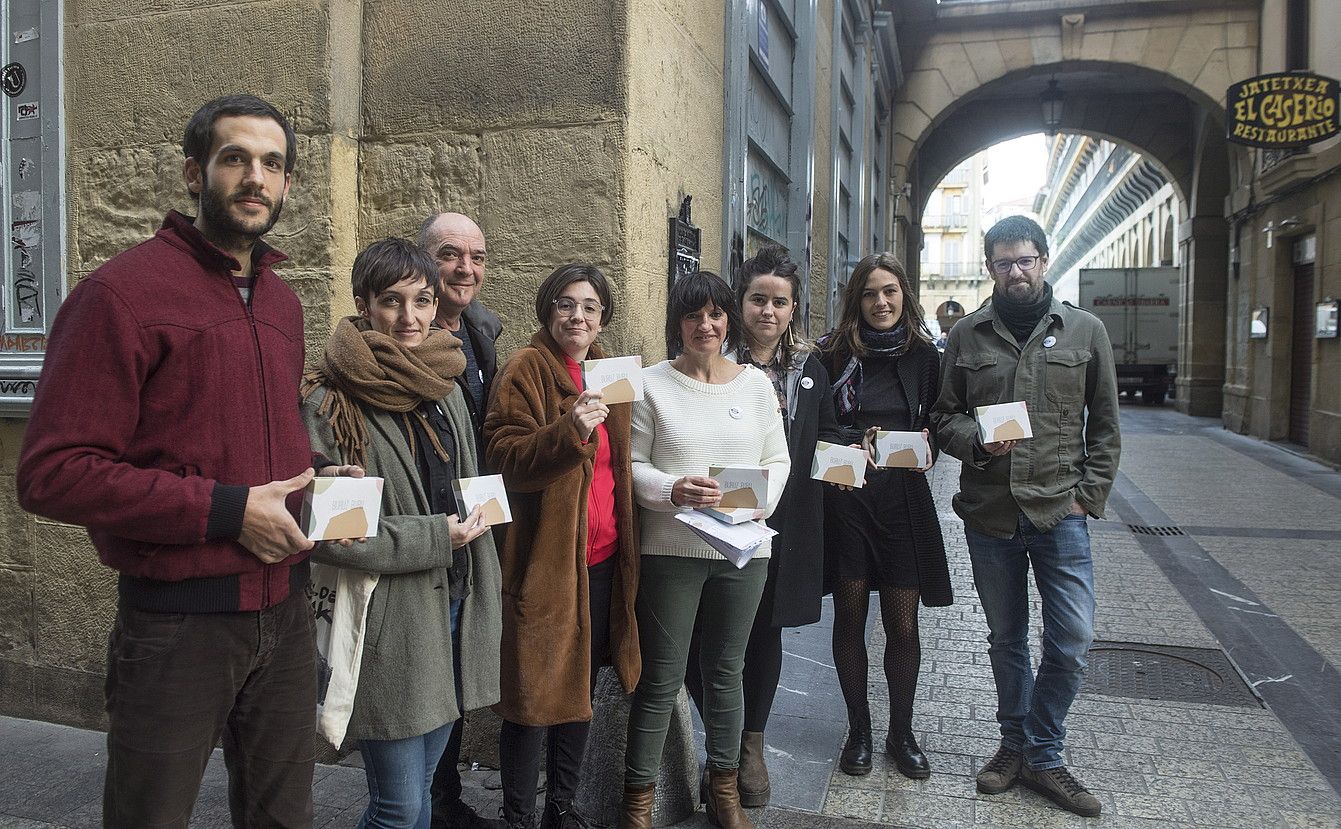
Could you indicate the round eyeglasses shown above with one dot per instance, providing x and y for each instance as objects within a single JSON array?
[{"x": 571, "y": 307}]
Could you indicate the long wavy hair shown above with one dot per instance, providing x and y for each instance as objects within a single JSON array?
[{"x": 845, "y": 339}]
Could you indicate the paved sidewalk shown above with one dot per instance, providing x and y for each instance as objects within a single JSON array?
[
  {"x": 1257, "y": 572},
  {"x": 1268, "y": 519}
]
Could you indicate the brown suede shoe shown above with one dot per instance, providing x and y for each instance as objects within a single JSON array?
[
  {"x": 753, "y": 779},
  {"x": 1001, "y": 771},
  {"x": 637, "y": 809},
  {"x": 1062, "y": 788},
  {"x": 723, "y": 805}
]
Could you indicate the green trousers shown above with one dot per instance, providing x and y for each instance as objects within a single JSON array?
[{"x": 675, "y": 594}]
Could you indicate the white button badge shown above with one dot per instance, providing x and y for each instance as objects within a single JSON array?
[
  {"x": 1049, "y": 341},
  {"x": 735, "y": 412},
  {"x": 807, "y": 383}
]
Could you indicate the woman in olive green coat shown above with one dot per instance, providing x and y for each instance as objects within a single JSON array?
[{"x": 384, "y": 396}]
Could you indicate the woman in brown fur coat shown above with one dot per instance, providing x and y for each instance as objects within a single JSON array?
[{"x": 570, "y": 558}]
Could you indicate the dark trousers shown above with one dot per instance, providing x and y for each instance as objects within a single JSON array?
[
  {"x": 176, "y": 682},
  {"x": 759, "y": 681},
  {"x": 519, "y": 745},
  {"x": 446, "y": 790}
]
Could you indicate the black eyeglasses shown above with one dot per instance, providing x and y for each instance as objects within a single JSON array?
[{"x": 1026, "y": 263}]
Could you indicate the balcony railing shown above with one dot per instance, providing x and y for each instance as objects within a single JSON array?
[
  {"x": 951, "y": 270},
  {"x": 956, "y": 178},
  {"x": 945, "y": 221}
]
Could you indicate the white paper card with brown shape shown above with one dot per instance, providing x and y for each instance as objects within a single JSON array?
[
  {"x": 1003, "y": 421},
  {"x": 839, "y": 464},
  {"x": 618, "y": 379},
  {"x": 341, "y": 508},
  {"x": 902, "y": 450},
  {"x": 744, "y": 493},
  {"x": 486, "y": 491}
]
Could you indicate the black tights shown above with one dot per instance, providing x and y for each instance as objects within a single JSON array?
[
  {"x": 763, "y": 669},
  {"x": 903, "y": 647}
]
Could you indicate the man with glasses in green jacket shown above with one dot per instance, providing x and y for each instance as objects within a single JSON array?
[{"x": 1025, "y": 502}]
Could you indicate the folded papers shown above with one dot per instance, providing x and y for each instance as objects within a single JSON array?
[{"x": 736, "y": 542}]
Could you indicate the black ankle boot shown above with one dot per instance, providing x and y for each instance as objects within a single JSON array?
[
  {"x": 902, "y": 746},
  {"x": 856, "y": 756}
]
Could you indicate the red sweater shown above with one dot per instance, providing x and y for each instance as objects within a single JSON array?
[
  {"x": 163, "y": 397},
  {"x": 602, "y": 530}
]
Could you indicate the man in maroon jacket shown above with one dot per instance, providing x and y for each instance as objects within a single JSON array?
[{"x": 166, "y": 421}]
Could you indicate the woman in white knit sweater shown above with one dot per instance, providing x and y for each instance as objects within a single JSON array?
[{"x": 698, "y": 410}]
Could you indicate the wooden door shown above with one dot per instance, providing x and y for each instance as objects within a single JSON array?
[{"x": 1301, "y": 354}]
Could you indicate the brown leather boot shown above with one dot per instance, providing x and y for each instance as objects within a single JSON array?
[
  {"x": 637, "y": 810},
  {"x": 753, "y": 778},
  {"x": 724, "y": 800}
]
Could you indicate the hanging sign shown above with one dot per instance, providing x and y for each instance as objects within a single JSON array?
[{"x": 1283, "y": 110}]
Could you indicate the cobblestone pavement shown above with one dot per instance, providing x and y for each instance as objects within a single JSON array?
[
  {"x": 1151, "y": 763},
  {"x": 1256, "y": 572}
]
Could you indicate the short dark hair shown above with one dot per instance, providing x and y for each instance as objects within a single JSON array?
[
  {"x": 1015, "y": 229},
  {"x": 694, "y": 291},
  {"x": 198, "y": 139},
  {"x": 771, "y": 259},
  {"x": 566, "y": 275},
  {"x": 388, "y": 261}
]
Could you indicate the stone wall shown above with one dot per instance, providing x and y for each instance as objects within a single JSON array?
[
  {"x": 571, "y": 132},
  {"x": 511, "y": 112},
  {"x": 135, "y": 71}
]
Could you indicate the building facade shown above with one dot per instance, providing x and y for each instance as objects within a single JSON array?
[
  {"x": 950, "y": 266},
  {"x": 1105, "y": 206},
  {"x": 571, "y": 132},
  {"x": 1284, "y": 241}
]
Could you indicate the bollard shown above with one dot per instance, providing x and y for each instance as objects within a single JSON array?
[{"x": 601, "y": 792}]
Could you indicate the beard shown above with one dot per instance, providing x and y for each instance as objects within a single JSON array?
[
  {"x": 228, "y": 230},
  {"x": 1024, "y": 291}
]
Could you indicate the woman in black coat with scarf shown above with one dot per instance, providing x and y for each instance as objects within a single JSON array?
[
  {"x": 884, "y": 536},
  {"x": 768, "y": 291}
]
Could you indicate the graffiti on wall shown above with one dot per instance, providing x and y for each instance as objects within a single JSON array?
[{"x": 26, "y": 239}]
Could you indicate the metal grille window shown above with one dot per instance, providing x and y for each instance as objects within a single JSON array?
[
  {"x": 769, "y": 170},
  {"x": 850, "y": 76},
  {"x": 32, "y": 186}
]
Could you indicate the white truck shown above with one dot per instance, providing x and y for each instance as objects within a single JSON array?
[{"x": 1139, "y": 307}]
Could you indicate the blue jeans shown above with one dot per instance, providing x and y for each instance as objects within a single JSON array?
[
  {"x": 1032, "y": 710},
  {"x": 400, "y": 772}
]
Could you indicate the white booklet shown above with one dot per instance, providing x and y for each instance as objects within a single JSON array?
[
  {"x": 486, "y": 491},
  {"x": 736, "y": 542},
  {"x": 618, "y": 379},
  {"x": 341, "y": 507},
  {"x": 744, "y": 493},
  {"x": 1003, "y": 421}
]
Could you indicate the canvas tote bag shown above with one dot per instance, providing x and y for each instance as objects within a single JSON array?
[{"x": 339, "y": 599}]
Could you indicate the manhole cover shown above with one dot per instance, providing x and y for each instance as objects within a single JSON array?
[{"x": 1137, "y": 671}]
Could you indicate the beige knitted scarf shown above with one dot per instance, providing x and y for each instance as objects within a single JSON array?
[{"x": 360, "y": 364}]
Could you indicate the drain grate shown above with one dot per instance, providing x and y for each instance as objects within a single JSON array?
[
  {"x": 1165, "y": 672},
  {"x": 1144, "y": 530}
]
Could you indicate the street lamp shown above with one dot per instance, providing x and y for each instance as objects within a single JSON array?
[{"x": 1052, "y": 99}]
